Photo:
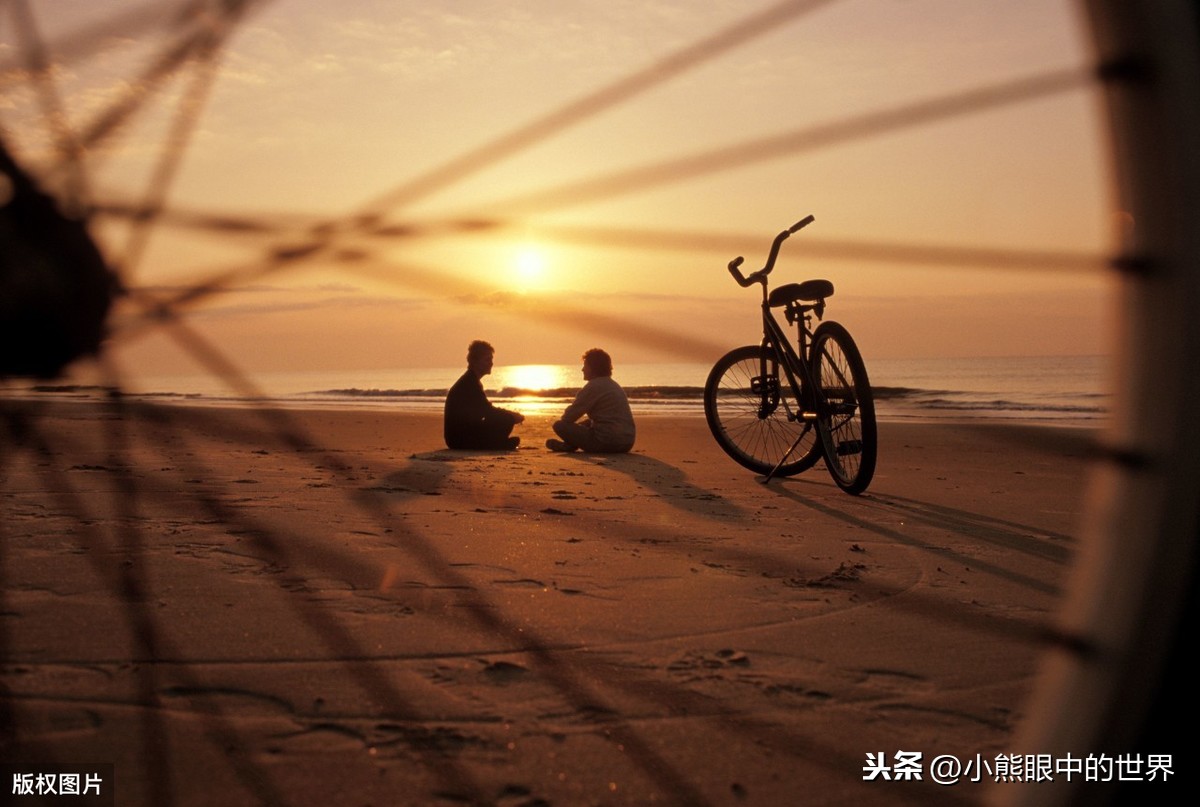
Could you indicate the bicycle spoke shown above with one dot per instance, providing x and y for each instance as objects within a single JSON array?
[{"x": 758, "y": 425}]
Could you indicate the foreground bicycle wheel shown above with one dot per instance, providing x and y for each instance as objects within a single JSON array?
[
  {"x": 848, "y": 411},
  {"x": 755, "y": 418},
  {"x": 1121, "y": 670}
]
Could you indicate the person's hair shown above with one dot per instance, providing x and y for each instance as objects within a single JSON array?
[
  {"x": 478, "y": 349},
  {"x": 599, "y": 361}
]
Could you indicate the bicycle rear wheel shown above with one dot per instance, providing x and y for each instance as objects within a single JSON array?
[
  {"x": 847, "y": 420},
  {"x": 754, "y": 414}
]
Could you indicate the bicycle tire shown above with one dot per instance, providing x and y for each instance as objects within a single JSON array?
[
  {"x": 1117, "y": 677},
  {"x": 754, "y": 438},
  {"x": 849, "y": 436}
]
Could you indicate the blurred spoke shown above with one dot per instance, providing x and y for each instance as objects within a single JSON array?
[
  {"x": 594, "y": 103},
  {"x": 38, "y": 62},
  {"x": 653, "y": 175}
]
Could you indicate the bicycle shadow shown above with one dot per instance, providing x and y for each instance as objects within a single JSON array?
[
  {"x": 1025, "y": 538},
  {"x": 965, "y": 524}
]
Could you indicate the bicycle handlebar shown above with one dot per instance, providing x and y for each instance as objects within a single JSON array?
[
  {"x": 760, "y": 275},
  {"x": 800, "y": 225}
]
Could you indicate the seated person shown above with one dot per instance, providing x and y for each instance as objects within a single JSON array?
[
  {"x": 608, "y": 424},
  {"x": 471, "y": 422}
]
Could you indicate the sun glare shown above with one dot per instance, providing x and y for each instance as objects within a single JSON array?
[
  {"x": 530, "y": 265},
  {"x": 533, "y": 378}
]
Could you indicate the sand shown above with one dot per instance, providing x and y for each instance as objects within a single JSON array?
[{"x": 328, "y": 608}]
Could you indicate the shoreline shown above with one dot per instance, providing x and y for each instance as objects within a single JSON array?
[
  {"x": 333, "y": 606},
  {"x": 1033, "y": 388},
  {"x": 885, "y": 413}
]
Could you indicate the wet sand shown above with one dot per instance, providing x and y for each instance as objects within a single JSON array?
[{"x": 327, "y": 608}]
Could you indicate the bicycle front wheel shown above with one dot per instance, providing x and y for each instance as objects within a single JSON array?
[
  {"x": 754, "y": 414},
  {"x": 847, "y": 410}
]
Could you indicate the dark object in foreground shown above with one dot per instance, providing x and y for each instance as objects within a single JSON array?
[{"x": 55, "y": 288}]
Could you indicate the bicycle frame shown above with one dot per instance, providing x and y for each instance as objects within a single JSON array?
[
  {"x": 797, "y": 367},
  {"x": 794, "y": 363}
]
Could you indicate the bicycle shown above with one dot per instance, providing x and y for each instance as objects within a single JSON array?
[{"x": 819, "y": 407}]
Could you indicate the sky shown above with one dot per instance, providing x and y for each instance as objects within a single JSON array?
[{"x": 629, "y": 151}]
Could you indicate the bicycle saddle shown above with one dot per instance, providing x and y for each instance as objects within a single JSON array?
[{"x": 809, "y": 291}]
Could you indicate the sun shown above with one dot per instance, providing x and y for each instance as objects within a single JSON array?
[
  {"x": 534, "y": 378},
  {"x": 530, "y": 268}
]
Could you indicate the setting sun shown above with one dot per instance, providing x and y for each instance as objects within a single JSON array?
[
  {"x": 533, "y": 378},
  {"x": 530, "y": 265}
]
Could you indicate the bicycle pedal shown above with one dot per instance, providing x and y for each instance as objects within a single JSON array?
[
  {"x": 849, "y": 447},
  {"x": 765, "y": 385}
]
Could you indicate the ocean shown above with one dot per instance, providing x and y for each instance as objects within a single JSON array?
[{"x": 1068, "y": 390}]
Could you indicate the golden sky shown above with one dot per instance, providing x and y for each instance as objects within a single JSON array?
[{"x": 620, "y": 154}]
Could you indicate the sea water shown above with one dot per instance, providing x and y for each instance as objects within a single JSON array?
[{"x": 1059, "y": 389}]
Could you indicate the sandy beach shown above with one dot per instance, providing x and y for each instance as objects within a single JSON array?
[{"x": 329, "y": 608}]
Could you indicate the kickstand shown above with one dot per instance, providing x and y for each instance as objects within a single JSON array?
[{"x": 766, "y": 479}]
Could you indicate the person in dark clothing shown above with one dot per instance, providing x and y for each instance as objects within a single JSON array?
[{"x": 471, "y": 422}]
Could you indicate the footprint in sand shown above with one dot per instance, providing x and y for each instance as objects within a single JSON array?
[{"x": 504, "y": 672}]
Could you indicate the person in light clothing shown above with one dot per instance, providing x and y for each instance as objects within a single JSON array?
[{"x": 607, "y": 425}]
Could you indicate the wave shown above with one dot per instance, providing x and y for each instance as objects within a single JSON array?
[
  {"x": 380, "y": 393},
  {"x": 1001, "y": 405},
  {"x": 563, "y": 393},
  {"x": 647, "y": 397},
  {"x": 636, "y": 393},
  {"x": 904, "y": 393},
  {"x": 72, "y": 389}
]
